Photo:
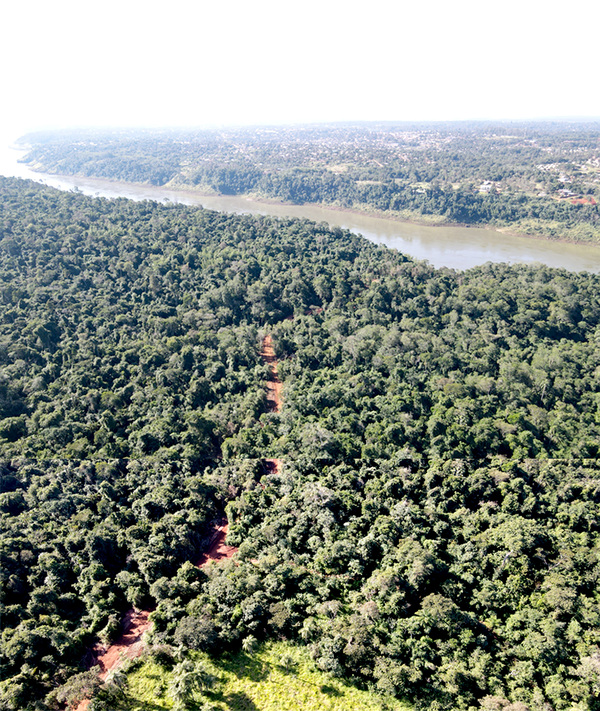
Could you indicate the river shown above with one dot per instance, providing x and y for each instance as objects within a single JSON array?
[{"x": 442, "y": 246}]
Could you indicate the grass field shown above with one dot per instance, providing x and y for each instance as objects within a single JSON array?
[{"x": 276, "y": 677}]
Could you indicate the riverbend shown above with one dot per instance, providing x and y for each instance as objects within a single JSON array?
[{"x": 442, "y": 246}]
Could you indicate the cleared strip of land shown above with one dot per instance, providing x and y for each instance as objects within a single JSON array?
[{"x": 136, "y": 622}]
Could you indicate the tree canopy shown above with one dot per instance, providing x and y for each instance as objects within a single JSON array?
[{"x": 433, "y": 532}]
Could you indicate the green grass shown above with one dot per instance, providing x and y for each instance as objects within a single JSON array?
[{"x": 261, "y": 681}]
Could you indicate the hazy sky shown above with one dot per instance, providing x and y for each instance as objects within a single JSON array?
[{"x": 193, "y": 62}]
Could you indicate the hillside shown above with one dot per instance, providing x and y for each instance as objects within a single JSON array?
[{"x": 432, "y": 532}]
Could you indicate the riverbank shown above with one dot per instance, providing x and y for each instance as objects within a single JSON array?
[
  {"x": 546, "y": 231},
  {"x": 428, "y": 221},
  {"x": 442, "y": 245},
  {"x": 404, "y": 217}
]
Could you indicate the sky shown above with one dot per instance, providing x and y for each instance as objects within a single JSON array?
[{"x": 199, "y": 63}]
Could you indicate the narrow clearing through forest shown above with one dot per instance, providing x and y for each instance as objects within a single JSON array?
[
  {"x": 274, "y": 388},
  {"x": 136, "y": 622},
  {"x": 273, "y": 383}
]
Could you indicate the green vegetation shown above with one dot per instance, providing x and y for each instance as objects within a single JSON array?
[
  {"x": 539, "y": 179},
  {"x": 433, "y": 534},
  {"x": 273, "y": 677}
]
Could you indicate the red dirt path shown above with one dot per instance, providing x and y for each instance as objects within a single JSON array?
[
  {"x": 274, "y": 388},
  {"x": 273, "y": 466},
  {"x": 273, "y": 383},
  {"x": 218, "y": 549},
  {"x": 136, "y": 622},
  {"x": 128, "y": 646}
]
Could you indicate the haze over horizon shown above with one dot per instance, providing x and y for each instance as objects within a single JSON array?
[{"x": 129, "y": 64}]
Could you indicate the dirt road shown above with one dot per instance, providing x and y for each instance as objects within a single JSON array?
[
  {"x": 136, "y": 622},
  {"x": 274, "y": 386},
  {"x": 218, "y": 549},
  {"x": 274, "y": 395}
]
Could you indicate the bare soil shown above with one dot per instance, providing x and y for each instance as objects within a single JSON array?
[
  {"x": 136, "y": 622},
  {"x": 128, "y": 646},
  {"x": 273, "y": 466},
  {"x": 274, "y": 385},
  {"x": 274, "y": 393},
  {"x": 218, "y": 549}
]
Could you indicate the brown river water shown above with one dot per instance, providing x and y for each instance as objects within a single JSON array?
[{"x": 441, "y": 246}]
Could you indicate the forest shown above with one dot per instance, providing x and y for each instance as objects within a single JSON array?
[
  {"x": 433, "y": 532},
  {"x": 532, "y": 178}
]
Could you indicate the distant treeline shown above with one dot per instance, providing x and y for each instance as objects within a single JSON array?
[
  {"x": 534, "y": 177},
  {"x": 460, "y": 204}
]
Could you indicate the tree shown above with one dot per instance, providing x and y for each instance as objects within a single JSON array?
[{"x": 187, "y": 679}]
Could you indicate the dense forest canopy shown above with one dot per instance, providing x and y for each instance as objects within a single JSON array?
[
  {"x": 538, "y": 178},
  {"x": 434, "y": 530}
]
